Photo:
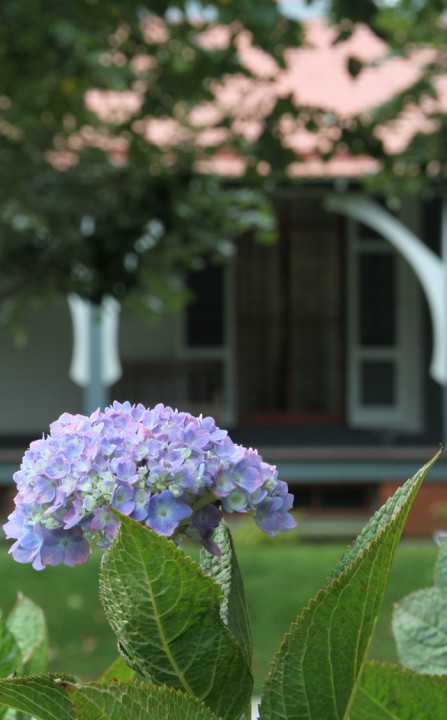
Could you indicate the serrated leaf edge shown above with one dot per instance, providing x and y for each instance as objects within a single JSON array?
[
  {"x": 417, "y": 480},
  {"x": 215, "y": 588},
  {"x": 161, "y": 689}
]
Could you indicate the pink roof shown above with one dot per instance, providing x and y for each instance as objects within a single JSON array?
[{"x": 316, "y": 76}]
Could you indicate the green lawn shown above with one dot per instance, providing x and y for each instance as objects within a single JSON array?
[{"x": 279, "y": 582}]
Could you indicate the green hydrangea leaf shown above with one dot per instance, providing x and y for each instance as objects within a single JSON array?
[
  {"x": 137, "y": 701},
  {"x": 118, "y": 670},
  {"x": 390, "y": 692},
  {"x": 10, "y": 655},
  {"x": 441, "y": 567},
  {"x": 316, "y": 671},
  {"x": 42, "y": 696},
  {"x": 165, "y": 613},
  {"x": 27, "y": 623},
  {"x": 420, "y": 629},
  {"x": 224, "y": 569},
  {"x": 401, "y": 500},
  {"x": 12, "y": 715}
]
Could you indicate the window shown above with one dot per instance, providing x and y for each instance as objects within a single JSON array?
[
  {"x": 205, "y": 313},
  {"x": 383, "y": 330}
]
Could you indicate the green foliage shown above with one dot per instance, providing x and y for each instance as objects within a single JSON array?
[
  {"x": 420, "y": 630},
  {"x": 247, "y": 536},
  {"x": 420, "y": 623},
  {"x": 136, "y": 701},
  {"x": 166, "y": 615},
  {"x": 408, "y": 27},
  {"x": 27, "y": 624},
  {"x": 316, "y": 682},
  {"x": 118, "y": 670},
  {"x": 10, "y": 655},
  {"x": 42, "y": 696},
  {"x": 23, "y": 646},
  {"x": 389, "y": 692},
  {"x": 225, "y": 571},
  {"x": 441, "y": 567},
  {"x": 82, "y": 192},
  {"x": 185, "y": 628},
  {"x": 23, "y": 640}
]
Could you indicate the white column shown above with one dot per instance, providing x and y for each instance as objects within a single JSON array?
[
  {"x": 95, "y": 360},
  {"x": 444, "y": 302}
]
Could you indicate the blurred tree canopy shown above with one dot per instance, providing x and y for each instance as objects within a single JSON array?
[
  {"x": 90, "y": 202},
  {"x": 101, "y": 155},
  {"x": 416, "y": 30}
]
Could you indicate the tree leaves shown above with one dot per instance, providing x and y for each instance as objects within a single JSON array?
[
  {"x": 63, "y": 162},
  {"x": 166, "y": 615},
  {"x": 317, "y": 669}
]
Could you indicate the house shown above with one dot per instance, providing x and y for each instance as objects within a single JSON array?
[{"x": 327, "y": 351}]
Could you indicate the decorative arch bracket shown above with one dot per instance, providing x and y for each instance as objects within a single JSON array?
[{"x": 430, "y": 269}]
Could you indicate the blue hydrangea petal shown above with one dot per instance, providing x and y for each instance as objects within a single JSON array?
[
  {"x": 122, "y": 499},
  {"x": 223, "y": 483},
  {"x": 236, "y": 501},
  {"x": 153, "y": 464},
  {"x": 165, "y": 513},
  {"x": 68, "y": 547},
  {"x": 206, "y": 518},
  {"x": 141, "y": 500}
]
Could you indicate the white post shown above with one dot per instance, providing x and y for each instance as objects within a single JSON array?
[
  {"x": 95, "y": 361},
  {"x": 444, "y": 303},
  {"x": 95, "y": 392}
]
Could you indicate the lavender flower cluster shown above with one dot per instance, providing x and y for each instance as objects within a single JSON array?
[{"x": 167, "y": 469}]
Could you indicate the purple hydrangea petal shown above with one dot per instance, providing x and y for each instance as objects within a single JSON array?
[
  {"x": 73, "y": 516},
  {"x": 105, "y": 521},
  {"x": 223, "y": 483},
  {"x": 236, "y": 501},
  {"x": 141, "y": 500},
  {"x": 122, "y": 499},
  {"x": 124, "y": 469},
  {"x": 16, "y": 524},
  {"x": 206, "y": 518},
  {"x": 270, "y": 519},
  {"x": 248, "y": 476},
  {"x": 205, "y": 521},
  {"x": 165, "y": 513},
  {"x": 68, "y": 547},
  {"x": 152, "y": 464},
  {"x": 210, "y": 544},
  {"x": 27, "y": 548}
]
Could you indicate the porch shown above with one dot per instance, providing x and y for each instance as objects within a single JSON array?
[{"x": 336, "y": 488}]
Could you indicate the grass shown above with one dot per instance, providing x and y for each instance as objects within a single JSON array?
[
  {"x": 279, "y": 581},
  {"x": 279, "y": 584}
]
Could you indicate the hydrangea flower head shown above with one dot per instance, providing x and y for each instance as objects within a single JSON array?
[{"x": 167, "y": 469}]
